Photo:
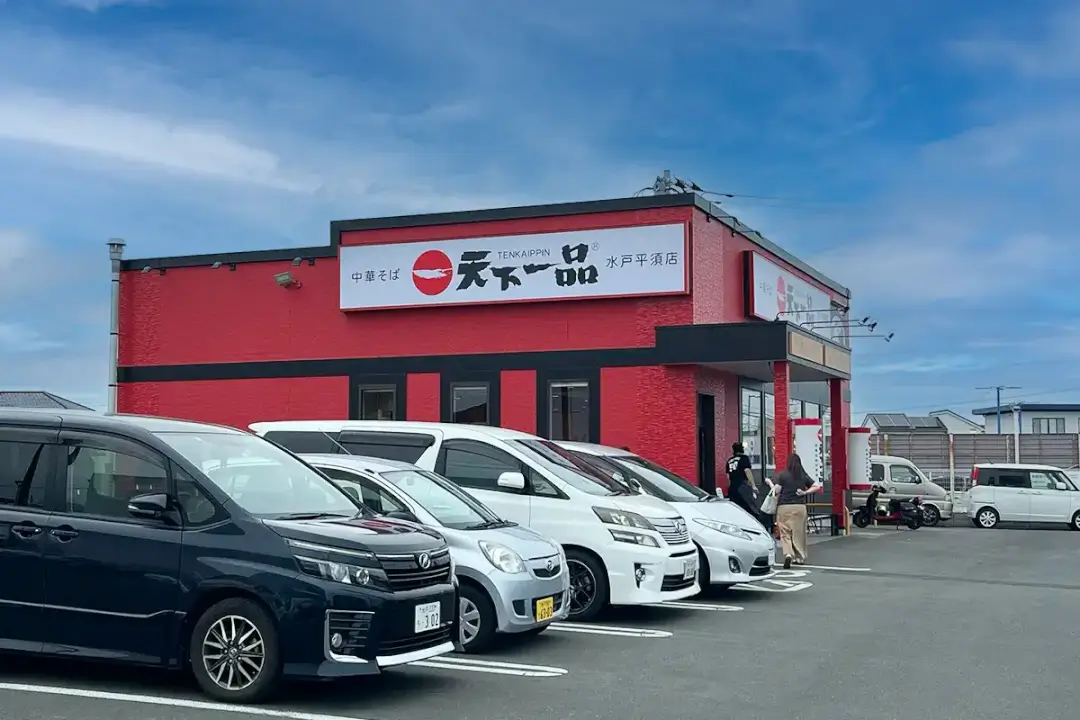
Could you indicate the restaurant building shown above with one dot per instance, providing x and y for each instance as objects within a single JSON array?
[{"x": 657, "y": 323}]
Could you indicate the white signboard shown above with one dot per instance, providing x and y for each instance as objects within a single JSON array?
[
  {"x": 580, "y": 264},
  {"x": 776, "y": 294}
]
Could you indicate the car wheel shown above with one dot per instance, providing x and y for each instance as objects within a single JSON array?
[
  {"x": 1075, "y": 524},
  {"x": 931, "y": 516},
  {"x": 234, "y": 652},
  {"x": 860, "y": 518},
  {"x": 588, "y": 585},
  {"x": 987, "y": 518},
  {"x": 478, "y": 619}
]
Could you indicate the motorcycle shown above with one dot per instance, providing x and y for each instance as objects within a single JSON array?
[{"x": 896, "y": 511}]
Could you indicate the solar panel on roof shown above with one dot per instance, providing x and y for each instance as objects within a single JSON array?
[
  {"x": 900, "y": 420},
  {"x": 882, "y": 420}
]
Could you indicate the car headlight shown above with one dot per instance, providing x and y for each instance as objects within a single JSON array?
[
  {"x": 348, "y": 567},
  {"x": 618, "y": 517},
  {"x": 726, "y": 528},
  {"x": 502, "y": 557},
  {"x": 629, "y": 536}
]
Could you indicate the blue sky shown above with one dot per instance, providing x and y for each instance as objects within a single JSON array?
[{"x": 925, "y": 155}]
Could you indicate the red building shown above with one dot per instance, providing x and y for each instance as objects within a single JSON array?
[{"x": 657, "y": 323}]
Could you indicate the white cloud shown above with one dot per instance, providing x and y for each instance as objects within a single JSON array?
[
  {"x": 938, "y": 364},
  {"x": 19, "y": 339},
  {"x": 1054, "y": 54},
  {"x": 141, "y": 138}
]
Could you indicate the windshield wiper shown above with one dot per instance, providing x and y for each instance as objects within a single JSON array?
[
  {"x": 491, "y": 525},
  {"x": 309, "y": 516},
  {"x": 708, "y": 498}
]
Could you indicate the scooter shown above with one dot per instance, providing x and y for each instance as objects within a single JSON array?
[{"x": 896, "y": 511}]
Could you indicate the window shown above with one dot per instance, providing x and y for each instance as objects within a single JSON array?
[
  {"x": 378, "y": 402},
  {"x": 469, "y": 403},
  {"x": 23, "y": 473},
  {"x": 770, "y": 434},
  {"x": 196, "y": 506},
  {"x": 1042, "y": 481},
  {"x": 310, "y": 442},
  {"x": 1009, "y": 479},
  {"x": 903, "y": 474},
  {"x": 1047, "y": 426},
  {"x": 473, "y": 464},
  {"x": 795, "y": 409},
  {"x": 370, "y": 493},
  {"x": 100, "y": 481},
  {"x": 452, "y": 507},
  {"x": 812, "y": 410},
  {"x": 750, "y": 422},
  {"x": 404, "y": 447},
  {"x": 568, "y": 411},
  {"x": 877, "y": 473}
]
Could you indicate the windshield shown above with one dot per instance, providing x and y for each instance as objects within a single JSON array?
[
  {"x": 569, "y": 468},
  {"x": 660, "y": 481},
  {"x": 450, "y": 506},
  {"x": 260, "y": 477}
]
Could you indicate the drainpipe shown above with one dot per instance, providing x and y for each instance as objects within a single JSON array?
[
  {"x": 1016, "y": 433},
  {"x": 116, "y": 254}
]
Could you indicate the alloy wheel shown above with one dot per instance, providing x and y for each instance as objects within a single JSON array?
[
  {"x": 470, "y": 620},
  {"x": 233, "y": 653},
  {"x": 987, "y": 518},
  {"x": 582, "y": 586},
  {"x": 931, "y": 515}
]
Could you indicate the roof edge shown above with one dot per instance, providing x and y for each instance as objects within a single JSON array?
[{"x": 520, "y": 212}]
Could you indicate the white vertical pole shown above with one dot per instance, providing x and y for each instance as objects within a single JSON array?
[{"x": 116, "y": 254}]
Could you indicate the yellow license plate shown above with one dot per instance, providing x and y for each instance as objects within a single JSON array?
[{"x": 545, "y": 608}]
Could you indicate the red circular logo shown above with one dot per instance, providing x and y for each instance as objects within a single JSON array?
[
  {"x": 432, "y": 272},
  {"x": 781, "y": 298}
]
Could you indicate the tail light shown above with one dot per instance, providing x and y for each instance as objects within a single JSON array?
[{"x": 974, "y": 476}]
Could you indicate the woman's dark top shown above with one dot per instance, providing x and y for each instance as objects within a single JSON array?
[{"x": 789, "y": 484}]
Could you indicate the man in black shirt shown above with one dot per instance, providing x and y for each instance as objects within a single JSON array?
[{"x": 741, "y": 488}]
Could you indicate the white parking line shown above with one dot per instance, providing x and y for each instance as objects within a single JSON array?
[
  {"x": 612, "y": 630},
  {"x": 492, "y": 667},
  {"x": 830, "y": 567},
  {"x": 168, "y": 701},
  {"x": 696, "y": 606},
  {"x": 774, "y": 586}
]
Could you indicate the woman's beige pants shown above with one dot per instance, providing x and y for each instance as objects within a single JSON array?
[{"x": 792, "y": 522}]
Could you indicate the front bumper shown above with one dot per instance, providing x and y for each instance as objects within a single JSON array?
[
  {"x": 516, "y": 597},
  {"x": 638, "y": 575},
  {"x": 348, "y": 632},
  {"x": 945, "y": 507},
  {"x": 734, "y": 560}
]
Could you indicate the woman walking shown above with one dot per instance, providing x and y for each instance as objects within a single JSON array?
[{"x": 794, "y": 483}]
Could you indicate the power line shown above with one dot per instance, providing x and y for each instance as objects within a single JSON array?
[{"x": 997, "y": 390}]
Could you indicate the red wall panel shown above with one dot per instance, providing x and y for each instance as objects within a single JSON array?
[
  {"x": 422, "y": 397},
  {"x": 239, "y": 402},
  {"x": 517, "y": 400},
  {"x": 203, "y": 315}
]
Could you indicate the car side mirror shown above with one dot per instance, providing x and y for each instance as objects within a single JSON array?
[
  {"x": 351, "y": 492},
  {"x": 403, "y": 515},
  {"x": 1061, "y": 486},
  {"x": 153, "y": 506},
  {"x": 512, "y": 481}
]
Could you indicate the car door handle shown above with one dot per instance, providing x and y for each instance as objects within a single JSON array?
[
  {"x": 65, "y": 533},
  {"x": 26, "y": 530}
]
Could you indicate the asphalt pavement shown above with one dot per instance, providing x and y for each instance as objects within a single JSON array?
[{"x": 948, "y": 622}]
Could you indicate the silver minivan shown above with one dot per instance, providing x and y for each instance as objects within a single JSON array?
[
  {"x": 512, "y": 579},
  {"x": 903, "y": 479}
]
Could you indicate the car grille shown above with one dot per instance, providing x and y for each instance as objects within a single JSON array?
[
  {"x": 669, "y": 530},
  {"x": 412, "y": 643},
  {"x": 404, "y": 571},
  {"x": 677, "y": 582},
  {"x": 762, "y": 566},
  {"x": 542, "y": 571},
  {"x": 353, "y": 626}
]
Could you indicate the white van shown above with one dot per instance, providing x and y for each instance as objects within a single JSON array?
[
  {"x": 621, "y": 548},
  {"x": 905, "y": 480},
  {"x": 1011, "y": 492}
]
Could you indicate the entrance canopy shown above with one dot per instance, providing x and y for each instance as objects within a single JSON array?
[{"x": 749, "y": 349}]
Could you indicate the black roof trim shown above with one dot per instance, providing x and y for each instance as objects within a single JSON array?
[
  {"x": 747, "y": 342},
  {"x": 523, "y": 212}
]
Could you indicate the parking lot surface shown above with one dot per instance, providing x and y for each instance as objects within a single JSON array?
[{"x": 947, "y": 622}]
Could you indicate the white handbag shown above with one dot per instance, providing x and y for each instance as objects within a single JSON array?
[{"x": 771, "y": 501}]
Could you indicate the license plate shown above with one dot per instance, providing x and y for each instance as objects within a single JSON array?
[
  {"x": 428, "y": 617},
  {"x": 545, "y": 608},
  {"x": 689, "y": 569}
]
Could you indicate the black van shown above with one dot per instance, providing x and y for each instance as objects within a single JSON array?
[{"x": 166, "y": 543}]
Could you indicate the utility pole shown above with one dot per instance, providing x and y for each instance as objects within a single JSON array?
[
  {"x": 116, "y": 256},
  {"x": 997, "y": 389}
]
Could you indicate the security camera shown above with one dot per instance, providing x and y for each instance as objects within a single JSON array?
[{"x": 286, "y": 280}]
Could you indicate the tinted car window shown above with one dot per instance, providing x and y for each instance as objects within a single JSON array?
[
  {"x": 404, "y": 447},
  {"x": 450, "y": 506},
  {"x": 305, "y": 442},
  {"x": 473, "y": 464},
  {"x": 1012, "y": 479},
  {"x": 370, "y": 493},
  {"x": 101, "y": 480},
  {"x": 22, "y": 473}
]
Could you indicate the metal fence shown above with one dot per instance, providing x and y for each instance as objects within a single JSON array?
[{"x": 956, "y": 454}]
